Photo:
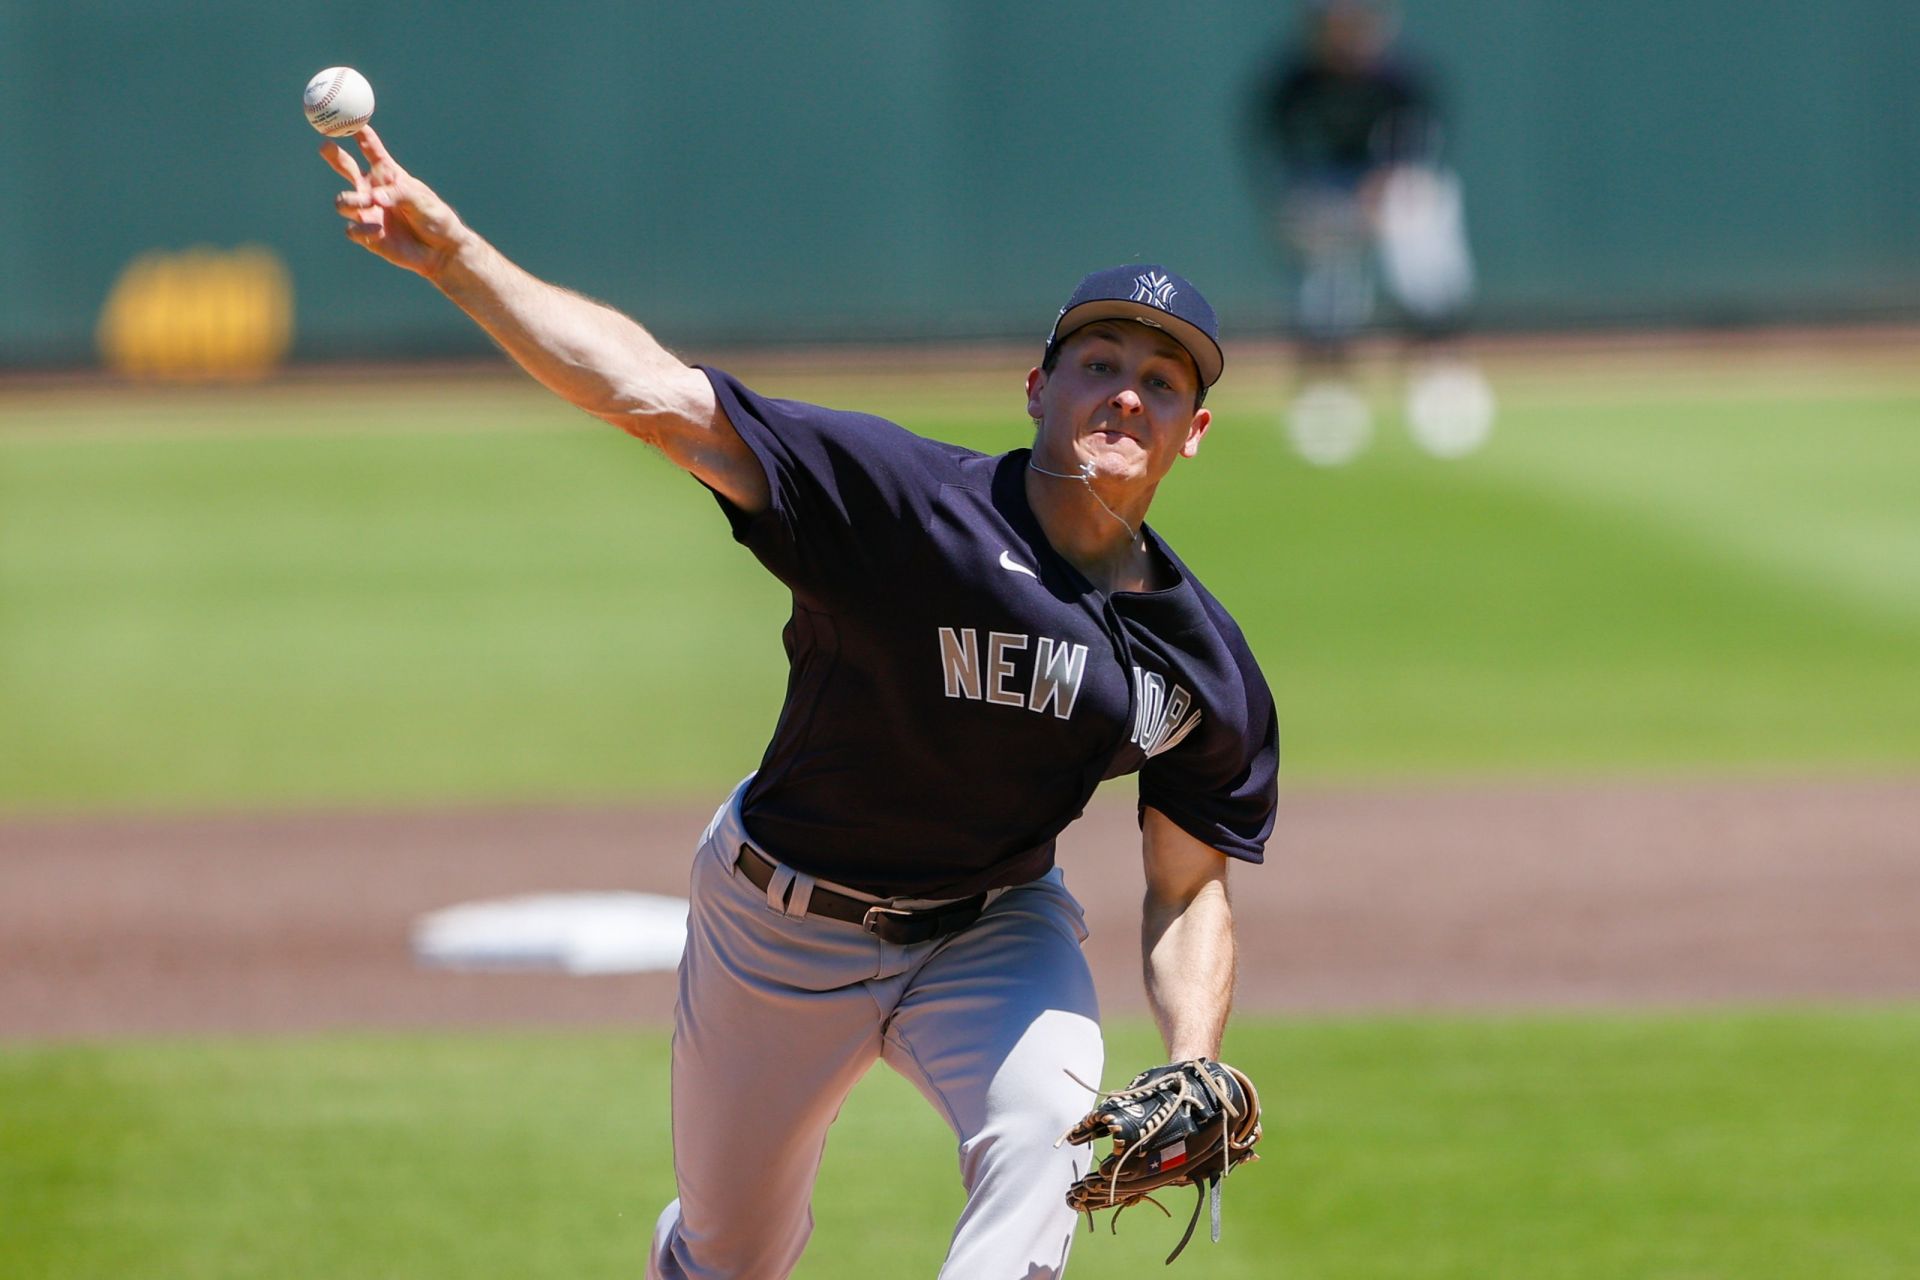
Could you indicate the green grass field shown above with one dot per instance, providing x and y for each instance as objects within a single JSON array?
[
  {"x": 410, "y": 594},
  {"x": 1754, "y": 1146},
  {"x": 407, "y": 595}
]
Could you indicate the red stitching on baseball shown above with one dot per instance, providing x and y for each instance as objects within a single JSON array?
[{"x": 333, "y": 90}]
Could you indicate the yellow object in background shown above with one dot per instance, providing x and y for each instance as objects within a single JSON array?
[{"x": 199, "y": 315}]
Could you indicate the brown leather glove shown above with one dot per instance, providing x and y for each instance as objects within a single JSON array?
[{"x": 1184, "y": 1124}]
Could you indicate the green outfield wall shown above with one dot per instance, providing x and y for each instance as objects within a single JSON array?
[{"x": 918, "y": 168}]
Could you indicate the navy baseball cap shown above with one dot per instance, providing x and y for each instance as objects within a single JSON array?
[{"x": 1154, "y": 296}]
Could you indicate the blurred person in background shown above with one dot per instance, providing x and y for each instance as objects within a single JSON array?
[{"x": 1349, "y": 136}]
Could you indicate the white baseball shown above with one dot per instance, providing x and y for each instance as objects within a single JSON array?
[{"x": 338, "y": 101}]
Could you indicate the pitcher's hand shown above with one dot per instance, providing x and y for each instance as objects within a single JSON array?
[{"x": 390, "y": 212}]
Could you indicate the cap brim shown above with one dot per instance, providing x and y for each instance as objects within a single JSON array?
[{"x": 1206, "y": 353}]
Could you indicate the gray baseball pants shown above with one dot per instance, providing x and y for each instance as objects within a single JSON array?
[{"x": 780, "y": 1014}]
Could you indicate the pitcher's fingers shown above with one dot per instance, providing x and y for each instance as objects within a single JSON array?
[
  {"x": 343, "y": 164},
  {"x": 404, "y": 190},
  {"x": 352, "y": 204},
  {"x": 375, "y": 150}
]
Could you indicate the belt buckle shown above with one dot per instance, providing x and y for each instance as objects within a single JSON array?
[
  {"x": 878, "y": 910},
  {"x": 878, "y": 916}
]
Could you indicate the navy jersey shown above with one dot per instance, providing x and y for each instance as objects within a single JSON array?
[
  {"x": 1339, "y": 126},
  {"x": 957, "y": 689}
]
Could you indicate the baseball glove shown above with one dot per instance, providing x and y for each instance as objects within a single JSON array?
[{"x": 1184, "y": 1124}]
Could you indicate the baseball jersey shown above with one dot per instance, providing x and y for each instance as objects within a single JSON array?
[
  {"x": 956, "y": 688},
  {"x": 1335, "y": 126}
]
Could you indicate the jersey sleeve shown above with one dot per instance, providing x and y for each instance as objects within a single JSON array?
[
  {"x": 1221, "y": 785},
  {"x": 840, "y": 485}
]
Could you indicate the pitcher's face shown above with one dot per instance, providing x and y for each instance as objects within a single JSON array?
[{"x": 1121, "y": 396}]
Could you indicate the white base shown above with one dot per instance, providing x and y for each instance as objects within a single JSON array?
[{"x": 556, "y": 932}]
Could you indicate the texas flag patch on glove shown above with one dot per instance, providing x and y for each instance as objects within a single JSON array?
[{"x": 1168, "y": 1157}]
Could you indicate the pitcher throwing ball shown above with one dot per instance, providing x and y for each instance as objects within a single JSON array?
[{"x": 976, "y": 642}]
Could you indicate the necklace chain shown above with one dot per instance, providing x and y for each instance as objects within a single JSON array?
[{"x": 1085, "y": 476}]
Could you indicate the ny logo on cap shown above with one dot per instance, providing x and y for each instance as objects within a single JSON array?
[{"x": 1154, "y": 289}]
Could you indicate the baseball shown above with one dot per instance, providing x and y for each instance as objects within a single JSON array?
[{"x": 338, "y": 101}]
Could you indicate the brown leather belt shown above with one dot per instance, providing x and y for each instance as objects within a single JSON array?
[{"x": 901, "y": 926}]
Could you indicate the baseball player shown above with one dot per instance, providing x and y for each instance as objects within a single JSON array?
[
  {"x": 976, "y": 642},
  {"x": 1352, "y": 145}
]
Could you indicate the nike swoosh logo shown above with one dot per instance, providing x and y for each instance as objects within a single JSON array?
[{"x": 1011, "y": 565}]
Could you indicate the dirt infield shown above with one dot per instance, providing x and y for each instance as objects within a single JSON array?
[{"x": 1504, "y": 897}]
